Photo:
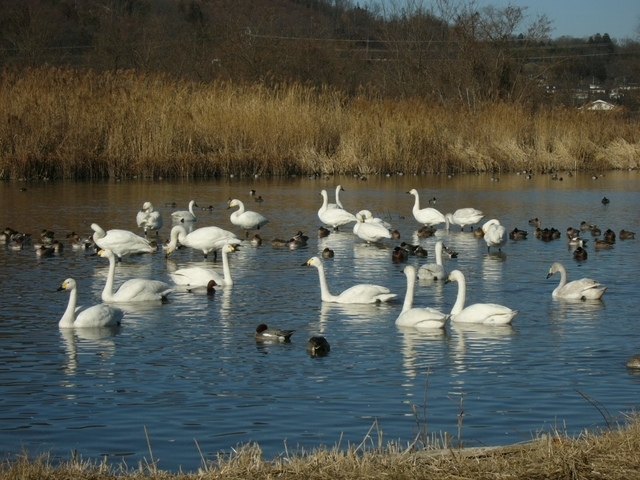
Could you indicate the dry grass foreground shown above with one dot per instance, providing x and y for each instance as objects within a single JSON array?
[
  {"x": 610, "y": 454},
  {"x": 64, "y": 123}
]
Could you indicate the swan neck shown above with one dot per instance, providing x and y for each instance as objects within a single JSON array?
[
  {"x": 408, "y": 298},
  {"x": 70, "y": 313},
  {"x": 462, "y": 294},
  {"x": 439, "y": 254},
  {"x": 107, "y": 292},
  {"x": 324, "y": 287},
  {"x": 338, "y": 202},
  {"x": 416, "y": 204},
  {"x": 563, "y": 277},
  {"x": 226, "y": 271}
]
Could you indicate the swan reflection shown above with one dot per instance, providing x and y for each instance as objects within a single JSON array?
[
  {"x": 96, "y": 340},
  {"x": 473, "y": 338},
  {"x": 416, "y": 358}
]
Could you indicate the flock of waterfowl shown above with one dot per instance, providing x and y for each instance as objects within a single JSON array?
[{"x": 114, "y": 244}]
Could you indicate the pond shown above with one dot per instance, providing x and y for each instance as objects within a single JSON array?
[{"x": 182, "y": 381}]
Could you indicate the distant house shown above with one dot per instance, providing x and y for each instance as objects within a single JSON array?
[{"x": 599, "y": 105}]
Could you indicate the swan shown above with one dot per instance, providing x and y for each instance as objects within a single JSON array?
[
  {"x": 149, "y": 219},
  {"x": 183, "y": 216},
  {"x": 336, "y": 217},
  {"x": 485, "y": 313},
  {"x": 583, "y": 289},
  {"x": 338, "y": 203},
  {"x": 433, "y": 271},
  {"x": 133, "y": 290},
  {"x": 200, "y": 276},
  {"x": 418, "y": 317},
  {"x": 494, "y": 234},
  {"x": 370, "y": 232},
  {"x": 369, "y": 218},
  {"x": 266, "y": 334},
  {"x": 361, "y": 293},
  {"x": 91, "y": 317},
  {"x": 463, "y": 217},
  {"x": 246, "y": 219},
  {"x": 121, "y": 242},
  {"x": 427, "y": 216},
  {"x": 207, "y": 239}
]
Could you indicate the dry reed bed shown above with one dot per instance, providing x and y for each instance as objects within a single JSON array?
[
  {"x": 81, "y": 124},
  {"x": 611, "y": 454}
]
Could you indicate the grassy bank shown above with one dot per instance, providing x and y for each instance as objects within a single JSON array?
[
  {"x": 610, "y": 454},
  {"x": 79, "y": 124}
]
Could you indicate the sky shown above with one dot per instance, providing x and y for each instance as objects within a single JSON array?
[{"x": 583, "y": 18}]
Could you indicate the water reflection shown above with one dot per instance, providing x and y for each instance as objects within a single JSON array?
[
  {"x": 94, "y": 340},
  {"x": 415, "y": 356},
  {"x": 473, "y": 343}
]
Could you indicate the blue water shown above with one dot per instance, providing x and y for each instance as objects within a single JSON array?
[{"x": 188, "y": 378}]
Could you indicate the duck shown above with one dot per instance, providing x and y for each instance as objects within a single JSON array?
[
  {"x": 120, "y": 242},
  {"x": 266, "y": 334},
  {"x": 535, "y": 222},
  {"x": 335, "y": 217},
  {"x": 433, "y": 271},
  {"x": 463, "y": 217},
  {"x": 609, "y": 235},
  {"x": 626, "y": 234},
  {"x": 421, "y": 252},
  {"x": 583, "y": 289},
  {"x": 95, "y": 316},
  {"x": 358, "y": 294},
  {"x": 209, "y": 289},
  {"x": 577, "y": 241},
  {"x": 279, "y": 242},
  {"x": 495, "y": 235},
  {"x": 585, "y": 226},
  {"x": 517, "y": 234},
  {"x": 478, "y": 233},
  {"x": 399, "y": 255},
  {"x": 483, "y": 313},
  {"x": 246, "y": 219},
  {"x": 323, "y": 232},
  {"x": 208, "y": 209},
  {"x": 327, "y": 253},
  {"x": 572, "y": 232},
  {"x": 602, "y": 244},
  {"x": 634, "y": 362},
  {"x": 370, "y": 232},
  {"x": 134, "y": 289},
  {"x": 425, "y": 232},
  {"x": 605, "y": 201},
  {"x": 297, "y": 241},
  {"x": 595, "y": 231},
  {"x": 318, "y": 346},
  {"x": 171, "y": 204},
  {"x": 256, "y": 240},
  {"x": 418, "y": 317},
  {"x": 580, "y": 253},
  {"x": 427, "y": 216},
  {"x": 258, "y": 199},
  {"x": 200, "y": 276},
  {"x": 207, "y": 239},
  {"x": 395, "y": 234},
  {"x": 338, "y": 203},
  {"x": 184, "y": 216},
  {"x": 149, "y": 219}
]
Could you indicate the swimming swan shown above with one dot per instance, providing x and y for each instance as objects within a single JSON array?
[
  {"x": 183, "y": 216},
  {"x": 91, "y": 317},
  {"x": 134, "y": 289},
  {"x": 370, "y": 232},
  {"x": 361, "y": 293},
  {"x": 494, "y": 234},
  {"x": 418, "y": 317},
  {"x": 583, "y": 289},
  {"x": 427, "y": 216},
  {"x": 149, "y": 219},
  {"x": 336, "y": 217},
  {"x": 121, "y": 242},
  {"x": 199, "y": 276},
  {"x": 463, "y": 217},
  {"x": 485, "y": 313},
  {"x": 246, "y": 219},
  {"x": 433, "y": 271},
  {"x": 207, "y": 239}
]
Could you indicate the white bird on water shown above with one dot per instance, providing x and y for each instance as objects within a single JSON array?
[
  {"x": 91, "y": 317},
  {"x": 335, "y": 217},
  {"x": 121, "y": 242},
  {"x": 495, "y": 235},
  {"x": 463, "y": 217},
  {"x": 207, "y": 239},
  {"x": 200, "y": 276},
  {"x": 183, "y": 216},
  {"x": 361, "y": 293},
  {"x": 246, "y": 219},
  {"x": 583, "y": 289},
  {"x": 484, "y": 313},
  {"x": 370, "y": 232},
  {"x": 433, "y": 271},
  {"x": 427, "y": 216},
  {"x": 149, "y": 219},
  {"x": 338, "y": 203},
  {"x": 418, "y": 317}
]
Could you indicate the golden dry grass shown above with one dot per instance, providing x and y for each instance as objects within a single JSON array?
[
  {"x": 610, "y": 454},
  {"x": 81, "y": 124}
]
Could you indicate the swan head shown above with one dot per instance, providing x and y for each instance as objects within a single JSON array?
[
  {"x": 229, "y": 248},
  {"x": 409, "y": 271},
  {"x": 234, "y": 202},
  {"x": 454, "y": 276},
  {"x": 324, "y": 194},
  {"x": 312, "y": 262},
  {"x": 487, "y": 225},
  {"x": 147, "y": 205},
  {"x": 97, "y": 228},
  {"x": 413, "y": 191},
  {"x": 105, "y": 253},
  {"x": 68, "y": 284},
  {"x": 555, "y": 268}
]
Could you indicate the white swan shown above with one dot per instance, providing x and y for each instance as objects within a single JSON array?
[
  {"x": 200, "y": 276},
  {"x": 485, "y": 313},
  {"x": 149, "y": 219},
  {"x": 433, "y": 271},
  {"x": 91, "y": 317},
  {"x": 494, "y": 234},
  {"x": 463, "y": 217},
  {"x": 336, "y": 217},
  {"x": 183, "y": 216},
  {"x": 370, "y": 232},
  {"x": 207, "y": 239},
  {"x": 369, "y": 218},
  {"x": 121, "y": 242},
  {"x": 418, "y": 317},
  {"x": 427, "y": 216},
  {"x": 338, "y": 203},
  {"x": 583, "y": 289},
  {"x": 361, "y": 293},
  {"x": 246, "y": 219},
  {"x": 133, "y": 290}
]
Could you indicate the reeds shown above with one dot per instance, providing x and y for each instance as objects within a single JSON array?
[
  {"x": 80, "y": 124},
  {"x": 610, "y": 454}
]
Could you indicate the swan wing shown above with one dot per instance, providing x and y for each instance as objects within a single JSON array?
[
  {"x": 422, "y": 318},
  {"x": 485, "y": 313},
  {"x": 141, "y": 290},
  {"x": 371, "y": 232},
  {"x": 586, "y": 288},
  {"x": 336, "y": 217},
  {"x": 98, "y": 316},
  {"x": 365, "y": 293},
  {"x": 431, "y": 271},
  {"x": 195, "y": 276}
]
